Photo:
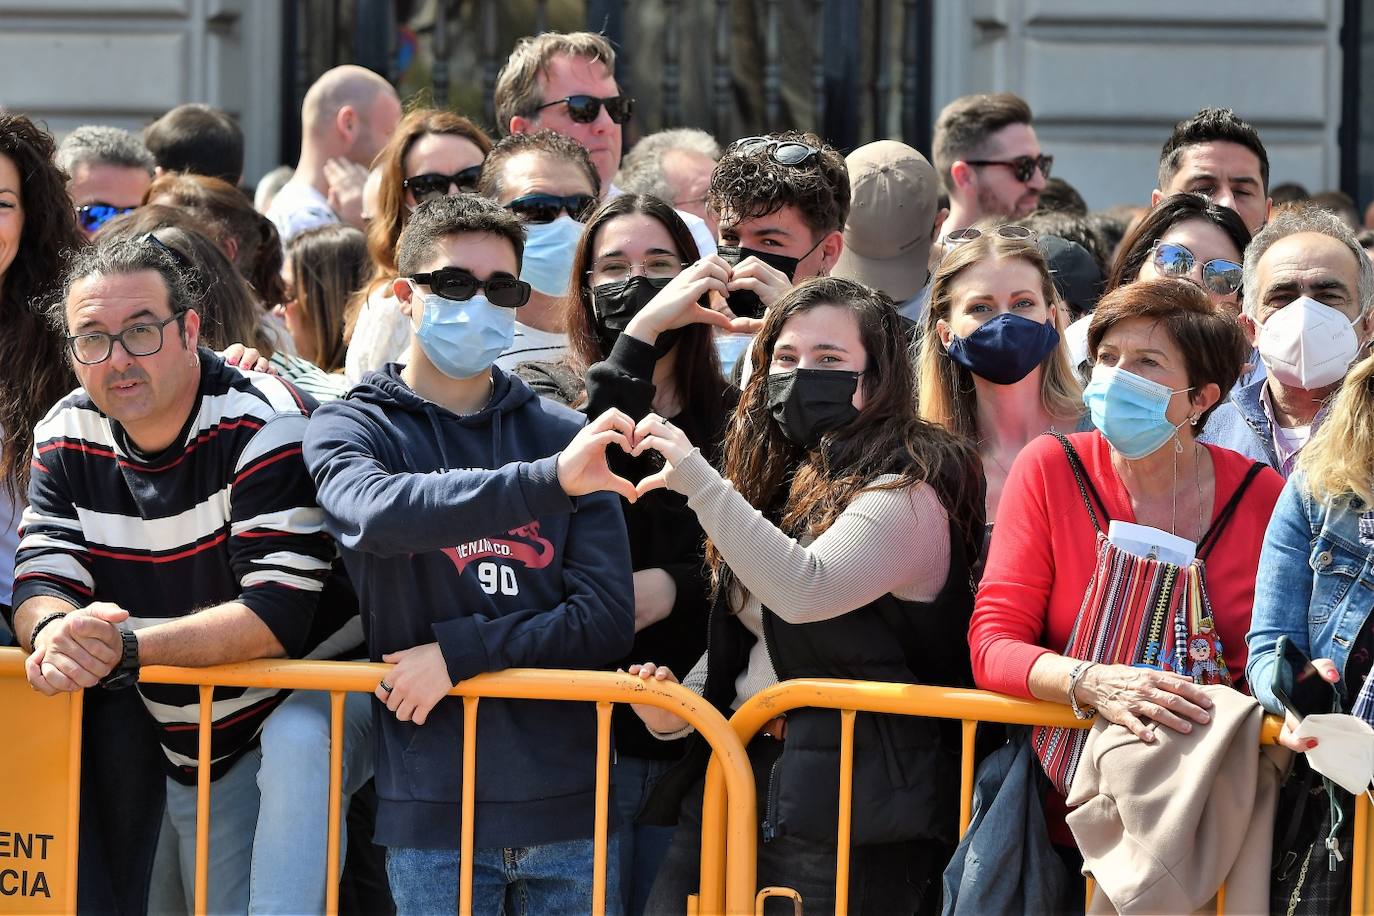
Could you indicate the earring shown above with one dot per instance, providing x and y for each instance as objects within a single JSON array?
[
  {"x": 1193, "y": 419},
  {"x": 194, "y": 359}
]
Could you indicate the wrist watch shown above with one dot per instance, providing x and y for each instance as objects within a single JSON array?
[{"x": 124, "y": 674}]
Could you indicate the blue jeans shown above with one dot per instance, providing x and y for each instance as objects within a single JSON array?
[
  {"x": 551, "y": 879},
  {"x": 642, "y": 847},
  {"x": 289, "y": 848},
  {"x": 233, "y": 817}
]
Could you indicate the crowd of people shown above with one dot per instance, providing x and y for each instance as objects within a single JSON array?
[{"x": 728, "y": 411}]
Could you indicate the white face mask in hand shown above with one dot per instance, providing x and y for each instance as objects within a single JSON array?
[{"x": 1345, "y": 749}]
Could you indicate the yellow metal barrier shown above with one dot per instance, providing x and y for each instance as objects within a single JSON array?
[
  {"x": 734, "y": 884},
  {"x": 969, "y": 707}
]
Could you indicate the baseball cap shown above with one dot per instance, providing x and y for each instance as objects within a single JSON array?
[
  {"x": 893, "y": 205},
  {"x": 1075, "y": 273}
]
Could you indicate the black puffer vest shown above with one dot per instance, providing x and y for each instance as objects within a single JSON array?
[{"x": 905, "y": 769}]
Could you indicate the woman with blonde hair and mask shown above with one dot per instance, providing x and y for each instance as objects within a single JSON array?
[
  {"x": 1316, "y": 588},
  {"x": 432, "y": 153},
  {"x": 992, "y": 366}
]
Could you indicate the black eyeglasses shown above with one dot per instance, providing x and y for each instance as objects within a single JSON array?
[
  {"x": 1220, "y": 275},
  {"x": 784, "y": 152},
  {"x": 460, "y": 286},
  {"x": 1022, "y": 167},
  {"x": 1009, "y": 231},
  {"x": 433, "y": 184},
  {"x": 544, "y": 208},
  {"x": 92, "y": 216},
  {"x": 584, "y": 109},
  {"x": 137, "y": 340}
]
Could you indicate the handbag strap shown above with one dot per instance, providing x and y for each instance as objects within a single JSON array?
[
  {"x": 1209, "y": 540},
  {"x": 1085, "y": 484}
]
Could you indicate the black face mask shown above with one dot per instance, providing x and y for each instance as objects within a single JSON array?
[
  {"x": 808, "y": 403},
  {"x": 614, "y": 304},
  {"x": 745, "y": 303}
]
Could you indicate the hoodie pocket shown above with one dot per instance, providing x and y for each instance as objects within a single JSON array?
[{"x": 433, "y": 758}]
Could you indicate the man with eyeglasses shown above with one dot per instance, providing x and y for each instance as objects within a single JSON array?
[
  {"x": 171, "y": 521},
  {"x": 565, "y": 82},
  {"x": 989, "y": 159},
  {"x": 470, "y": 519},
  {"x": 108, "y": 171},
  {"x": 1219, "y": 156},
  {"x": 548, "y": 182},
  {"x": 347, "y": 117},
  {"x": 1308, "y": 303}
]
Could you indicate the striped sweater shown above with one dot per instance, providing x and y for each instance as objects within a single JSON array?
[{"x": 226, "y": 514}]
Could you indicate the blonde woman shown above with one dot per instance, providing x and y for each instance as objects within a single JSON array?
[
  {"x": 1316, "y": 587},
  {"x": 992, "y": 366}
]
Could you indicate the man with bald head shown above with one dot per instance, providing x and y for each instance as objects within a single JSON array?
[{"x": 348, "y": 116}]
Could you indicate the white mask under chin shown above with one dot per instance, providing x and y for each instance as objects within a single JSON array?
[{"x": 1307, "y": 344}]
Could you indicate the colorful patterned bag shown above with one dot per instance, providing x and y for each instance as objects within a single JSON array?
[{"x": 1138, "y": 611}]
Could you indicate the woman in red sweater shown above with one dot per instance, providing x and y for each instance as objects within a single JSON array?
[{"x": 1052, "y": 587}]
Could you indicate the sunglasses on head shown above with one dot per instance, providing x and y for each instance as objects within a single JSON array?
[
  {"x": 92, "y": 216},
  {"x": 784, "y": 152},
  {"x": 1022, "y": 167},
  {"x": 1219, "y": 275},
  {"x": 459, "y": 285},
  {"x": 584, "y": 109},
  {"x": 1009, "y": 231},
  {"x": 433, "y": 184},
  {"x": 544, "y": 208}
]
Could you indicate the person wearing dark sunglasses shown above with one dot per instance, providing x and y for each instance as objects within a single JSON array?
[
  {"x": 548, "y": 182},
  {"x": 989, "y": 159},
  {"x": 110, "y": 170},
  {"x": 566, "y": 83}
]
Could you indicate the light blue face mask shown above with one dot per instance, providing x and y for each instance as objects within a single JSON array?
[
  {"x": 464, "y": 338},
  {"x": 549, "y": 250},
  {"x": 1129, "y": 410}
]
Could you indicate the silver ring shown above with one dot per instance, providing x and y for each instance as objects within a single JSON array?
[{"x": 385, "y": 686}]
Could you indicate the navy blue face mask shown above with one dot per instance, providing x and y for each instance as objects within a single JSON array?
[{"x": 1005, "y": 349}]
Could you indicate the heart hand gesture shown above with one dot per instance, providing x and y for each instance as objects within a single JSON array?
[{"x": 582, "y": 467}]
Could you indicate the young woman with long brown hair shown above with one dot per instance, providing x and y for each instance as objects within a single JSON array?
[{"x": 840, "y": 535}]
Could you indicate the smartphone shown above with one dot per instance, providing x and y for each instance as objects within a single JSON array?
[{"x": 1297, "y": 683}]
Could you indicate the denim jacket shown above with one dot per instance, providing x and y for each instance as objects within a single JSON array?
[{"x": 1317, "y": 569}]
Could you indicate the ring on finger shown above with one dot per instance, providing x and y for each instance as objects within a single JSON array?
[{"x": 385, "y": 686}]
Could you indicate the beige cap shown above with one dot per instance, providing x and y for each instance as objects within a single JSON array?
[{"x": 887, "y": 238}]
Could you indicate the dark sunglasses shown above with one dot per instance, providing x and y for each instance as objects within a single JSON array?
[
  {"x": 92, "y": 216},
  {"x": 460, "y": 286},
  {"x": 544, "y": 208},
  {"x": 1009, "y": 231},
  {"x": 433, "y": 184},
  {"x": 1022, "y": 167},
  {"x": 1219, "y": 275},
  {"x": 784, "y": 152},
  {"x": 584, "y": 109}
]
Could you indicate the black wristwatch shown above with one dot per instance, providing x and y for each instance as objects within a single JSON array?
[{"x": 125, "y": 674}]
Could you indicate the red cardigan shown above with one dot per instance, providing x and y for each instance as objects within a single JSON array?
[{"x": 1044, "y": 549}]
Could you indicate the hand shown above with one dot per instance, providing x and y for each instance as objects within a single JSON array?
[
  {"x": 678, "y": 304},
  {"x": 419, "y": 680},
  {"x": 1127, "y": 695},
  {"x": 248, "y": 358},
  {"x": 582, "y": 465},
  {"x": 752, "y": 274},
  {"x": 346, "y": 179},
  {"x": 658, "y": 720},
  {"x": 654, "y": 432},
  {"x": 655, "y": 595},
  {"x": 1327, "y": 668},
  {"x": 75, "y": 652}
]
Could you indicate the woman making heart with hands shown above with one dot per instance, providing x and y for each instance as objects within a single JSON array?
[{"x": 839, "y": 539}]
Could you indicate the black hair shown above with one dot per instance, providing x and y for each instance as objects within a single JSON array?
[
  {"x": 198, "y": 139},
  {"x": 1210, "y": 125},
  {"x": 440, "y": 217}
]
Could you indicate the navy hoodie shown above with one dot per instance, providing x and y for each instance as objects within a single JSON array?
[{"x": 454, "y": 529}]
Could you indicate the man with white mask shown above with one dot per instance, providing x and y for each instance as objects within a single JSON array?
[
  {"x": 1309, "y": 301},
  {"x": 550, "y": 183}
]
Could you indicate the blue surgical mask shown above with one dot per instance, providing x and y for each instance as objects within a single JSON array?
[
  {"x": 1129, "y": 410},
  {"x": 464, "y": 338},
  {"x": 549, "y": 250},
  {"x": 1005, "y": 349}
]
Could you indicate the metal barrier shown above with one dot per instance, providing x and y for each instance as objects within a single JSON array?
[
  {"x": 734, "y": 885},
  {"x": 969, "y": 707}
]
